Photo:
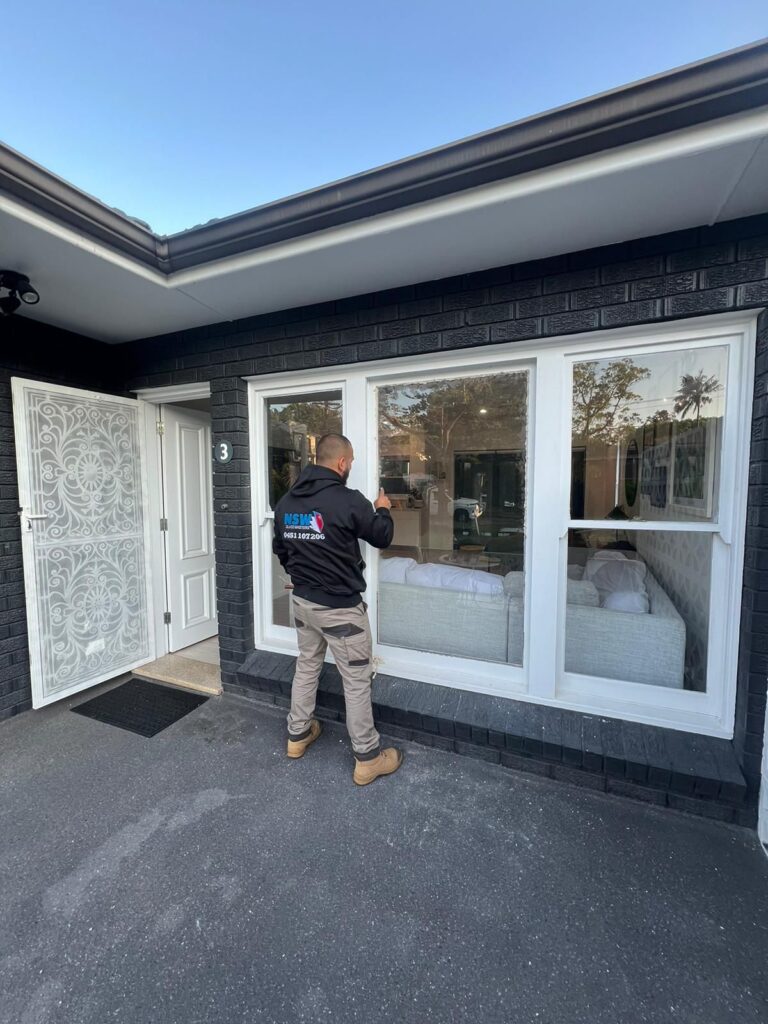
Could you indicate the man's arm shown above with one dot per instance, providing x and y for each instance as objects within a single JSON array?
[{"x": 373, "y": 523}]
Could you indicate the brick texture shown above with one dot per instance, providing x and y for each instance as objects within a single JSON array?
[
  {"x": 681, "y": 274},
  {"x": 687, "y": 273}
]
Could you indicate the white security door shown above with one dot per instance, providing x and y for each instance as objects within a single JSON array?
[
  {"x": 190, "y": 553},
  {"x": 84, "y": 541}
]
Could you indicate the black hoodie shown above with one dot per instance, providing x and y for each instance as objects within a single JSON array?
[{"x": 317, "y": 527}]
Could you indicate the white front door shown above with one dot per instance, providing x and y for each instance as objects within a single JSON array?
[
  {"x": 84, "y": 536},
  {"x": 190, "y": 553}
]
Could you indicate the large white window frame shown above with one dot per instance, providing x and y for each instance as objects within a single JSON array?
[{"x": 542, "y": 678}]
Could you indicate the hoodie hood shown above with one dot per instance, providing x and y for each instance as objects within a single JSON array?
[{"x": 314, "y": 479}]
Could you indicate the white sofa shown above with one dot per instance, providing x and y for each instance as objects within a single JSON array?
[{"x": 646, "y": 648}]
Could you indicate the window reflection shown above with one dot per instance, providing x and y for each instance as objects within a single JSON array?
[
  {"x": 294, "y": 426},
  {"x": 452, "y": 458},
  {"x": 646, "y": 435}
]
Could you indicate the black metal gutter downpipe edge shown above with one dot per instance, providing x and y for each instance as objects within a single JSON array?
[{"x": 726, "y": 84}]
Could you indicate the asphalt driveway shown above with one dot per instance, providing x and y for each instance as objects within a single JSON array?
[{"x": 199, "y": 876}]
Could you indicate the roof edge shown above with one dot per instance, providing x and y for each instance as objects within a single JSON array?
[
  {"x": 34, "y": 185},
  {"x": 722, "y": 85}
]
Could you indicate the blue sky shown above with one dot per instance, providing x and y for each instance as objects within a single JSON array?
[{"x": 177, "y": 111}]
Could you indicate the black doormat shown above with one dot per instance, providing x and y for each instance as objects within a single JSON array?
[{"x": 141, "y": 707}]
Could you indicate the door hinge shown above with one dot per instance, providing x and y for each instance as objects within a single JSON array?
[
  {"x": 163, "y": 525},
  {"x": 166, "y": 618},
  {"x": 160, "y": 427}
]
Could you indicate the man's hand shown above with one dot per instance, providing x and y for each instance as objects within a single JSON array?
[{"x": 382, "y": 501}]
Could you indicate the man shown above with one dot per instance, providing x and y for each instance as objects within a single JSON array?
[{"x": 318, "y": 524}]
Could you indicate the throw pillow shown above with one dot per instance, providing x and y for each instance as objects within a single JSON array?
[
  {"x": 612, "y": 570},
  {"x": 451, "y": 577},
  {"x": 393, "y": 570},
  {"x": 627, "y": 601}
]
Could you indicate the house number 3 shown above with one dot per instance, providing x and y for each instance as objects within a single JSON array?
[{"x": 222, "y": 451}]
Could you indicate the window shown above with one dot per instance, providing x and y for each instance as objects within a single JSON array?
[
  {"x": 295, "y": 423},
  {"x": 637, "y": 606},
  {"x": 646, "y": 436},
  {"x": 452, "y": 458},
  {"x": 569, "y": 515}
]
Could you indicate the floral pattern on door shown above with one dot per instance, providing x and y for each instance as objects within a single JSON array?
[{"x": 91, "y": 578}]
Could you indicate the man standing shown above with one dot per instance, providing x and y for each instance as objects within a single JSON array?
[{"x": 318, "y": 524}]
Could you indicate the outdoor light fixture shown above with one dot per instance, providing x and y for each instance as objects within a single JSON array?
[{"x": 18, "y": 290}]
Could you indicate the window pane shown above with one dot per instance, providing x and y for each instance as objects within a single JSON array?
[
  {"x": 646, "y": 435},
  {"x": 281, "y": 593},
  {"x": 452, "y": 458},
  {"x": 294, "y": 426},
  {"x": 637, "y": 606}
]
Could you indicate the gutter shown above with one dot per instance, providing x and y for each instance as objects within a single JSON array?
[
  {"x": 717, "y": 87},
  {"x": 24, "y": 180}
]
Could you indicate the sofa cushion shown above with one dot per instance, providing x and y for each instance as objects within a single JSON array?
[
  {"x": 627, "y": 601},
  {"x": 583, "y": 592},
  {"x": 514, "y": 584},
  {"x": 393, "y": 570},
  {"x": 579, "y": 591},
  {"x": 452, "y": 577},
  {"x": 443, "y": 621}
]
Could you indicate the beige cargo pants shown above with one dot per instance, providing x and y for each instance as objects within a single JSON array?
[{"x": 348, "y": 634}]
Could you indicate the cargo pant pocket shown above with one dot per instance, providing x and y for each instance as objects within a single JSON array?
[{"x": 357, "y": 650}]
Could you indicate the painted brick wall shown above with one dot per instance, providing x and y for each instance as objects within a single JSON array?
[
  {"x": 32, "y": 350},
  {"x": 232, "y": 524},
  {"x": 753, "y": 648},
  {"x": 682, "y": 274}
]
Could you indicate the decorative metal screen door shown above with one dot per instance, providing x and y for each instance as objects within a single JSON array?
[{"x": 84, "y": 536}]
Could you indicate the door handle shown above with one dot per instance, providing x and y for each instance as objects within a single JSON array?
[{"x": 30, "y": 517}]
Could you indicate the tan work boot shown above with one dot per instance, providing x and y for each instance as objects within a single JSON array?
[
  {"x": 388, "y": 761},
  {"x": 297, "y": 748}
]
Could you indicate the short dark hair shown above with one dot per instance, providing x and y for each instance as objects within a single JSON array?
[{"x": 331, "y": 447}]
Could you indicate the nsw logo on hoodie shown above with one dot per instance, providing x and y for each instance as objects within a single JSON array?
[{"x": 303, "y": 526}]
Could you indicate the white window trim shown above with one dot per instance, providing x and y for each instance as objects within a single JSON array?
[{"x": 543, "y": 680}]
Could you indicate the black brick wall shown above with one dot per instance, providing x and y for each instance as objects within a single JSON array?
[
  {"x": 28, "y": 349},
  {"x": 753, "y": 647},
  {"x": 682, "y": 274},
  {"x": 232, "y": 524}
]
